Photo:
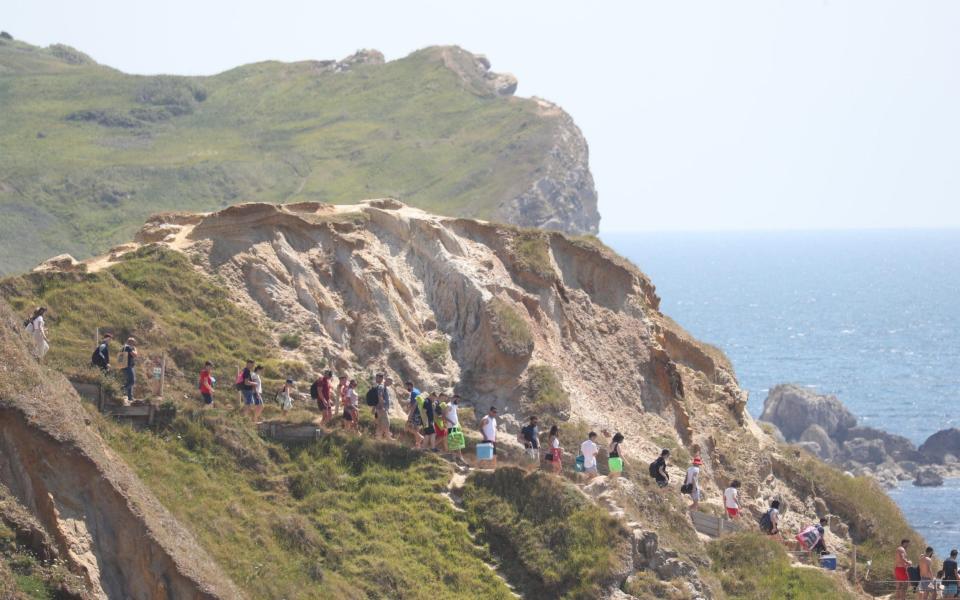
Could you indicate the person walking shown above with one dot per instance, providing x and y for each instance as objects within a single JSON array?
[
  {"x": 589, "y": 450},
  {"x": 206, "y": 385},
  {"x": 248, "y": 388},
  {"x": 283, "y": 396},
  {"x": 415, "y": 418},
  {"x": 530, "y": 438},
  {"x": 658, "y": 469},
  {"x": 556, "y": 452},
  {"x": 440, "y": 422},
  {"x": 326, "y": 402},
  {"x": 101, "y": 354},
  {"x": 38, "y": 332},
  {"x": 616, "y": 461},
  {"x": 950, "y": 585},
  {"x": 926, "y": 589},
  {"x": 340, "y": 397},
  {"x": 900, "y": 565},
  {"x": 351, "y": 408},
  {"x": 429, "y": 432},
  {"x": 693, "y": 481},
  {"x": 128, "y": 358},
  {"x": 453, "y": 420},
  {"x": 383, "y": 409},
  {"x": 257, "y": 393},
  {"x": 731, "y": 499},
  {"x": 488, "y": 429}
]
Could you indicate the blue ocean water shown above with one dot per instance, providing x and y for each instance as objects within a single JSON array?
[{"x": 871, "y": 316}]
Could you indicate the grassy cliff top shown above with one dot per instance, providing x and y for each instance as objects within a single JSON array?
[{"x": 90, "y": 152}]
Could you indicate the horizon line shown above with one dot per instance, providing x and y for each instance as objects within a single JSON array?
[{"x": 919, "y": 228}]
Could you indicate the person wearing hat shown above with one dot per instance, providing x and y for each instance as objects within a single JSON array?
[
  {"x": 206, "y": 385},
  {"x": 693, "y": 480},
  {"x": 101, "y": 355}
]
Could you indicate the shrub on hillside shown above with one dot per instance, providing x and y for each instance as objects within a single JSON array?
[
  {"x": 510, "y": 329},
  {"x": 546, "y": 394}
]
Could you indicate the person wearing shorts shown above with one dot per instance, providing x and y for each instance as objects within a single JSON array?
[
  {"x": 556, "y": 452},
  {"x": 383, "y": 409},
  {"x": 950, "y": 575},
  {"x": 247, "y": 387},
  {"x": 589, "y": 450},
  {"x": 900, "y": 564},
  {"x": 488, "y": 428},
  {"x": 926, "y": 589},
  {"x": 731, "y": 499}
]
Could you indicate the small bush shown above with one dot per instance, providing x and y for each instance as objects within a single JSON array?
[
  {"x": 436, "y": 352},
  {"x": 546, "y": 393},
  {"x": 6, "y": 36},
  {"x": 510, "y": 329},
  {"x": 533, "y": 253},
  {"x": 290, "y": 341}
]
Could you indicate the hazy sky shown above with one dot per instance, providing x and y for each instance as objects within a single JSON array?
[{"x": 699, "y": 115}]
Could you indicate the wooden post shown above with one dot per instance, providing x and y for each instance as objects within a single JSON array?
[
  {"x": 854, "y": 567},
  {"x": 163, "y": 372},
  {"x": 96, "y": 337}
]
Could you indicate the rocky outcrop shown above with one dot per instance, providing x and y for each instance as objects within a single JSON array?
[
  {"x": 63, "y": 263},
  {"x": 943, "y": 446},
  {"x": 827, "y": 429},
  {"x": 793, "y": 409},
  {"x": 86, "y": 506}
]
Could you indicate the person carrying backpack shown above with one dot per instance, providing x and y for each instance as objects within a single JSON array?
[
  {"x": 415, "y": 419},
  {"x": 426, "y": 405},
  {"x": 770, "y": 521},
  {"x": 101, "y": 354},
  {"x": 658, "y": 469},
  {"x": 383, "y": 409},
  {"x": 372, "y": 398},
  {"x": 530, "y": 438},
  {"x": 692, "y": 482},
  {"x": 440, "y": 422}
]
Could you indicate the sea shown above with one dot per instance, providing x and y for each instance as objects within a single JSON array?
[{"x": 872, "y": 316}]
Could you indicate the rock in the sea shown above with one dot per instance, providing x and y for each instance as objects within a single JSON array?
[
  {"x": 815, "y": 433},
  {"x": 868, "y": 452},
  {"x": 928, "y": 478},
  {"x": 941, "y": 445},
  {"x": 896, "y": 446},
  {"x": 793, "y": 409}
]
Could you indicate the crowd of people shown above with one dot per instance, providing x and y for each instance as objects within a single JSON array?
[{"x": 930, "y": 583}]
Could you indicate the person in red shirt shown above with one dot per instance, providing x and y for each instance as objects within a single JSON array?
[
  {"x": 206, "y": 385},
  {"x": 324, "y": 402}
]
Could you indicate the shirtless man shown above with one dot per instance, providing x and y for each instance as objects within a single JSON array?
[
  {"x": 926, "y": 589},
  {"x": 900, "y": 564}
]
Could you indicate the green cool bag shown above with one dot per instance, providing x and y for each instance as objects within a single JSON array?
[{"x": 455, "y": 439}]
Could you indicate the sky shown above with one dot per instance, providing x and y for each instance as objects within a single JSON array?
[{"x": 699, "y": 115}]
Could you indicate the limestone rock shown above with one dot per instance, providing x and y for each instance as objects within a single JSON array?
[
  {"x": 816, "y": 434},
  {"x": 868, "y": 452},
  {"x": 793, "y": 409},
  {"x": 928, "y": 478},
  {"x": 897, "y": 447},
  {"x": 941, "y": 445},
  {"x": 63, "y": 263}
]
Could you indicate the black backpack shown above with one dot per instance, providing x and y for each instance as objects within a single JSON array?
[
  {"x": 373, "y": 396},
  {"x": 655, "y": 469},
  {"x": 96, "y": 359},
  {"x": 315, "y": 389},
  {"x": 766, "y": 522}
]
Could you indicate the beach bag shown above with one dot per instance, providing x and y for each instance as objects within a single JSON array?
[
  {"x": 686, "y": 488},
  {"x": 808, "y": 538},
  {"x": 615, "y": 464},
  {"x": 455, "y": 439},
  {"x": 373, "y": 397},
  {"x": 766, "y": 523},
  {"x": 578, "y": 464},
  {"x": 239, "y": 382}
]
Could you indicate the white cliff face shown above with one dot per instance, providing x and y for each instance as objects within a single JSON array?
[{"x": 370, "y": 287}]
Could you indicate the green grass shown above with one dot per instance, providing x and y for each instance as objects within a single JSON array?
[
  {"x": 533, "y": 253},
  {"x": 546, "y": 394},
  {"x": 339, "y": 518},
  {"x": 435, "y": 352},
  {"x": 268, "y": 131},
  {"x": 553, "y": 543},
  {"x": 156, "y": 296},
  {"x": 290, "y": 341},
  {"x": 511, "y": 331},
  {"x": 751, "y": 566}
]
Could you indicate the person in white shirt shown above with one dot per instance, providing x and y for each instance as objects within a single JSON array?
[
  {"x": 39, "y": 332},
  {"x": 589, "y": 449},
  {"x": 351, "y": 408},
  {"x": 258, "y": 393},
  {"x": 488, "y": 427},
  {"x": 693, "y": 480},
  {"x": 731, "y": 499}
]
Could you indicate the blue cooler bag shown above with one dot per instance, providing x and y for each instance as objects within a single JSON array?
[{"x": 485, "y": 451}]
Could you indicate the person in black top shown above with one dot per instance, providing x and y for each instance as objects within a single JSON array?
[
  {"x": 950, "y": 589},
  {"x": 659, "y": 469},
  {"x": 130, "y": 351},
  {"x": 101, "y": 355},
  {"x": 530, "y": 437}
]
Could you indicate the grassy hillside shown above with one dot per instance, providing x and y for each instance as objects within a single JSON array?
[{"x": 89, "y": 152}]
